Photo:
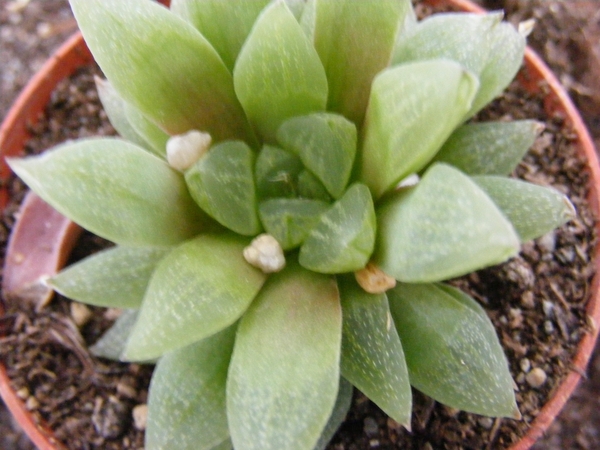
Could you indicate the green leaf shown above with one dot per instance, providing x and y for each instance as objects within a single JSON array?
[
  {"x": 289, "y": 220},
  {"x": 278, "y": 74},
  {"x": 452, "y": 351},
  {"x": 276, "y": 173},
  {"x": 413, "y": 109},
  {"x": 340, "y": 410},
  {"x": 186, "y": 400},
  {"x": 116, "y": 190},
  {"x": 372, "y": 355},
  {"x": 343, "y": 239},
  {"x": 222, "y": 183},
  {"x": 112, "y": 343},
  {"x": 225, "y": 24},
  {"x": 201, "y": 287},
  {"x": 284, "y": 373},
  {"x": 116, "y": 277},
  {"x": 155, "y": 137},
  {"x": 326, "y": 144},
  {"x": 355, "y": 40},
  {"x": 533, "y": 210},
  {"x": 444, "y": 227},
  {"x": 309, "y": 186},
  {"x": 490, "y": 148},
  {"x": 163, "y": 66}
]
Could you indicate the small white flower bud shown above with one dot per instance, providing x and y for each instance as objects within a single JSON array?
[
  {"x": 265, "y": 253},
  {"x": 374, "y": 280},
  {"x": 183, "y": 150}
]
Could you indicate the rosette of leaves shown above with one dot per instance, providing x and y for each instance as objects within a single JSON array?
[{"x": 318, "y": 112}]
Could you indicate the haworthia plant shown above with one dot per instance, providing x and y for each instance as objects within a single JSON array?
[{"x": 271, "y": 253}]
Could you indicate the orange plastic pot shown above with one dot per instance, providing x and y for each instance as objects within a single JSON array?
[{"x": 42, "y": 238}]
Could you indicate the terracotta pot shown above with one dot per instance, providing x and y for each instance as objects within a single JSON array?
[{"x": 42, "y": 238}]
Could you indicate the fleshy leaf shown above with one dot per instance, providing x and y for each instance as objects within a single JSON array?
[
  {"x": 163, "y": 66},
  {"x": 116, "y": 190},
  {"x": 326, "y": 144},
  {"x": 278, "y": 67},
  {"x": 155, "y": 138},
  {"x": 490, "y": 148},
  {"x": 444, "y": 227},
  {"x": 452, "y": 351},
  {"x": 112, "y": 343},
  {"x": 412, "y": 110},
  {"x": 285, "y": 363},
  {"x": 116, "y": 277},
  {"x": 340, "y": 410},
  {"x": 343, "y": 239},
  {"x": 225, "y": 24},
  {"x": 289, "y": 220},
  {"x": 533, "y": 210},
  {"x": 355, "y": 40},
  {"x": 198, "y": 289},
  {"x": 276, "y": 173},
  {"x": 309, "y": 186},
  {"x": 186, "y": 401},
  {"x": 222, "y": 183},
  {"x": 372, "y": 355}
]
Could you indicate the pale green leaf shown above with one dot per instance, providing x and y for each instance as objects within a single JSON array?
[
  {"x": 163, "y": 66},
  {"x": 309, "y": 186},
  {"x": 186, "y": 400},
  {"x": 413, "y": 109},
  {"x": 276, "y": 173},
  {"x": 289, "y": 220},
  {"x": 198, "y": 289},
  {"x": 340, "y": 410},
  {"x": 116, "y": 190},
  {"x": 222, "y": 183},
  {"x": 226, "y": 24},
  {"x": 296, "y": 7},
  {"x": 444, "y": 227},
  {"x": 372, "y": 355},
  {"x": 155, "y": 138},
  {"x": 112, "y": 343},
  {"x": 278, "y": 74},
  {"x": 343, "y": 239},
  {"x": 355, "y": 40},
  {"x": 326, "y": 144},
  {"x": 452, "y": 351},
  {"x": 533, "y": 210},
  {"x": 116, "y": 277},
  {"x": 284, "y": 373},
  {"x": 489, "y": 148}
]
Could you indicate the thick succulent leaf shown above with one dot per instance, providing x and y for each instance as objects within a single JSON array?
[
  {"x": 186, "y": 401},
  {"x": 198, "y": 289},
  {"x": 276, "y": 173},
  {"x": 222, "y": 183},
  {"x": 490, "y": 148},
  {"x": 533, "y": 210},
  {"x": 116, "y": 190},
  {"x": 284, "y": 373},
  {"x": 355, "y": 40},
  {"x": 225, "y": 24},
  {"x": 289, "y": 220},
  {"x": 343, "y": 239},
  {"x": 326, "y": 144},
  {"x": 155, "y": 138},
  {"x": 340, "y": 410},
  {"x": 412, "y": 110},
  {"x": 372, "y": 355},
  {"x": 112, "y": 343},
  {"x": 278, "y": 73},
  {"x": 444, "y": 227},
  {"x": 114, "y": 106},
  {"x": 116, "y": 277},
  {"x": 452, "y": 350},
  {"x": 163, "y": 66},
  {"x": 296, "y": 7},
  {"x": 309, "y": 186}
]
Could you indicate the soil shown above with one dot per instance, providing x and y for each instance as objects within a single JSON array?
[{"x": 517, "y": 311}]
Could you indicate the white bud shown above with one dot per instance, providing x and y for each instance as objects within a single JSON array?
[
  {"x": 265, "y": 253},
  {"x": 183, "y": 150}
]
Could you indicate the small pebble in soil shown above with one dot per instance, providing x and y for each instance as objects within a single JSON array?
[
  {"x": 486, "y": 422},
  {"x": 536, "y": 378},
  {"x": 527, "y": 300},
  {"x": 109, "y": 417},
  {"x": 548, "y": 327},
  {"x": 548, "y": 308},
  {"x": 370, "y": 427},
  {"x": 32, "y": 403},
  {"x": 525, "y": 365},
  {"x": 80, "y": 313},
  {"x": 140, "y": 416}
]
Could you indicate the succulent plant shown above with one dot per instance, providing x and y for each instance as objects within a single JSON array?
[{"x": 294, "y": 184}]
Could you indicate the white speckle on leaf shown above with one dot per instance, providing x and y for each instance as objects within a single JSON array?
[
  {"x": 265, "y": 253},
  {"x": 183, "y": 150}
]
